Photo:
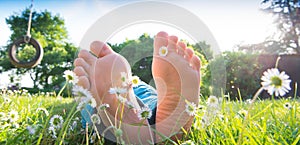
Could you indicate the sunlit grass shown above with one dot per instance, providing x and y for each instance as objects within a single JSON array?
[{"x": 269, "y": 122}]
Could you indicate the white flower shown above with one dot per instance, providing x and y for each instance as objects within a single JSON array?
[
  {"x": 73, "y": 126},
  {"x": 121, "y": 99},
  {"x": 287, "y": 106},
  {"x": 52, "y": 132},
  {"x": 44, "y": 110},
  {"x": 91, "y": 101},
  {"x": 117, "y": 90},
  {"x": 163, "y": 51},
  {"x": 135, "y": 81},
  {"x": 189, "y": 142},
  {"x": 93, "y": 138},
  {"x": 103, "y": 107},
  {"x": 213, "y": 101},
  {"x": 70, "y": 77},
  {"x": 124, "y": 79},
  {"x": 56, "y": 121},
  {"x": 144, "y": 113},
  {"x": 129, "y": 105},
  {"x": 249, "y": 101},
  {"x": 13, "y": 116},
  {"x": 274, "y": 81},
  {"x": 190, "y": 108},
  {"x": 2, "y": 116},
  {"x": 243, "y": 113},
  {"x": 6, "y": 100},
  {"x": 81, "y": 106},
  {"x": 95, "y": 119},
  {"x": 31, "y": 129},
  {"x": 81, "y": 92}
]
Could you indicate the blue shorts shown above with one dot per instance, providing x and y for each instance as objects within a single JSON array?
[{"x": 146, "y": 96}]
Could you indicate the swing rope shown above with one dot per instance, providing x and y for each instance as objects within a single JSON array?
[{"x": 28, "y": 36}]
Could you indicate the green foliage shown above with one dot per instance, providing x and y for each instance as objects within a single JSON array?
[
  {"x": 51, "y": 33},
  {"x": 269, "y": 122},
  {"x": 242, "y": 74}
]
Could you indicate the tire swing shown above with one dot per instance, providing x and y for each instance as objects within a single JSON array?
[{"x": 27, "y": 39}]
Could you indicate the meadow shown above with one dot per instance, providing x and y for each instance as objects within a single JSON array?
[{"x": 29, "y": 118}]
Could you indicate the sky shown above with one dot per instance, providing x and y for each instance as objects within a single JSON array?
[{"x": 231, "y": 22}]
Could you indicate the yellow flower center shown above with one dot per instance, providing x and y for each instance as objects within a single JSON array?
[
  {"x": 135, "y": 81},
  {"x": 276, "y": 81},
  {"x": 163, "y": 51}
]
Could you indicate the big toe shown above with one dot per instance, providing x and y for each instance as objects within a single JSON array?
[
  {"x": 100, "y": 49},
  {"x": 161, "y": 39}
]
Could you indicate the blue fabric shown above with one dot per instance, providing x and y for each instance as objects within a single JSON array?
[{"x": 144, "y": 92}]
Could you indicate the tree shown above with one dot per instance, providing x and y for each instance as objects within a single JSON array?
[{"x": 50, "y": 31}]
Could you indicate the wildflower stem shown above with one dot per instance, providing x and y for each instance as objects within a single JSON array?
[{"x": 61, "y": 90}]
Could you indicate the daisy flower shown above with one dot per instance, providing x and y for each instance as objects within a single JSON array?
[
  {"x": 121, "y": 99},
  {"x": 275, "y": 82},
  {"x": 163, "y": 51},
  {"x": 81, "y": 92},
  {"x": 70, "y": 77},
  {"x": 93, "y": 138},
  {"x": 31, "y": 129},
  {"x": 243, "y": 113},
  {"x": 117, "y": 90},
  {"x": 81, "y": 106},
  {"x": 95, "y": 119},
  {"x": 135, "y": 81},
  {"x": 13, "y": 116},
  {"x": 287, "y": 106},
  {"x": 189, "y": 142},
  {"x": 124, "y": 79},
  {"x": 56, "y": 121},
  {"x": 190, "y": 108},
  {"x": 43, "y": 110},
  {"x": 213, "y": 101},
  {"x": 3, "y": 116},
  {"x": 6, "y": 100},
  {"x": 91, "y": 101},
  {"x": 52, "y": 132},
  {"x": 103, "y": 107},
  {"x": 144, "y": 113}
]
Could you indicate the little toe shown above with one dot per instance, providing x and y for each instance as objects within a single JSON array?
[
  {"x": 196, "y": 63},
  {"x": 84, "y": 82},
  {"x": 172, "y": 43},
  {"x": 161, "y": 39},
  {"x": 100, "y": 49},
  {"x": 188, "y": 54},
  {"x": 181, "y": 48}
]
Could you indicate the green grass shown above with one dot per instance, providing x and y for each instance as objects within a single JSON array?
[{"x": 269, "y": 122}]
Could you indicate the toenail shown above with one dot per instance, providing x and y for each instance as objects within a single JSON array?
[{"x": 163, "y": 51}]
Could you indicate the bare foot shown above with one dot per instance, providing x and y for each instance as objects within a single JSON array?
[
  {"x": 100, "y": 71},
  {"x": 177, "y": 79}
]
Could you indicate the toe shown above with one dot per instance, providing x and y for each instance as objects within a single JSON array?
[
  {"x": 87, "y": 56},
  {"x": 196, "y": 63},
  {"x": 161, "y": 39},
  {"x": 100, "y": 49},
  {"x": 84, "y": 82},
  {"x": 172, "y": 43},
  {"x": 79, "y": 71},
  {"x": 188, "y": 54},
  {"x": 181, "y": 48},
  {"x": 80, "y": 62}
]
